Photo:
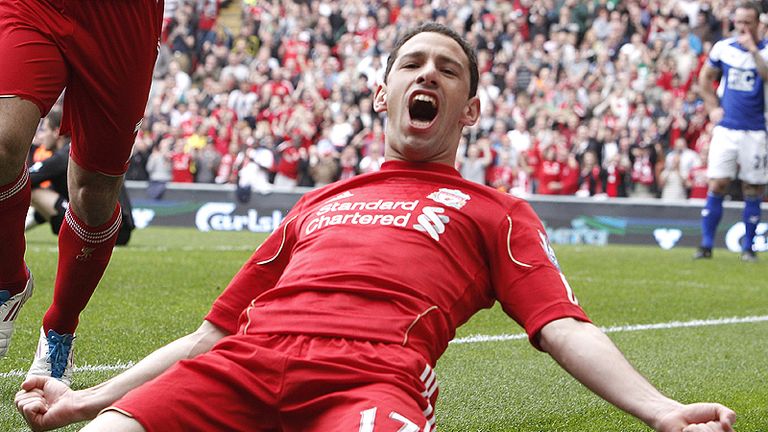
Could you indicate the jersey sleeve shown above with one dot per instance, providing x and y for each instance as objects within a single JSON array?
[
  {"x": 259, "y": 274},
  {"x": 763, "y": 49},
  {"x": 526, "y": 276},
  {"x": 714, "y": 55}
]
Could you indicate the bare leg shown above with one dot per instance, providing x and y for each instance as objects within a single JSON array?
[
  {"x": 18, "y": 121},
  {"x": 92, "y": 196}
]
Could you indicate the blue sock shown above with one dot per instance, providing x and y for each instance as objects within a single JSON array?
[
  {"x": 751, "y": 218},
  {"x": 710, "y": 218}
]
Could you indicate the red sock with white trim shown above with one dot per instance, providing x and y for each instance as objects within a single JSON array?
[
  {"x": 84, "y": 253},
  {"x": 14, "y": 203}
]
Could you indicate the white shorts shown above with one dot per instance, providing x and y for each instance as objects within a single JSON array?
[{"x": 738, "y": 151}]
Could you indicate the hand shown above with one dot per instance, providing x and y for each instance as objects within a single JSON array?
[
  {"x": 746, "y": 40},
  {"x": 698, "y": 417},
  {"x": 46, "y": 403},
  {"x": 716, "y": 115}
]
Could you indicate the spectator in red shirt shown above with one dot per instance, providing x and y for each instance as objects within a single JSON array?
[
  {"x": 643, "y": 174},
  {"x": 615, "y": 175},
  {"x": 287, "y": 171},
  {"x": 697, "y": 181},
  {"x": 182, "y": 163},
  {"x": 569, "y": 174},
  {"x": 548, "y": 172}
]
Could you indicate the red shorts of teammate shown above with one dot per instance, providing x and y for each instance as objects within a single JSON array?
[
  {"x": 290, "y": 383},
  {"x": 103, "y": 52}
]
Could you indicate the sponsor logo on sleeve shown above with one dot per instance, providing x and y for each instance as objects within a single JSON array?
[{"x": 548, "y": 249}]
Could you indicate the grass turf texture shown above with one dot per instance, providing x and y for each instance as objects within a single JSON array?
[{"x": 160, "y": 286}]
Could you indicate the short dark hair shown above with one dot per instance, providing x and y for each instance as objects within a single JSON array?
[
  {"x": 434, "y": 27},
  {"x": 751, "y": 5}
]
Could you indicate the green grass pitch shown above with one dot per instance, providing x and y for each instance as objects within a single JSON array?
[{"x": 160, "y": 286}]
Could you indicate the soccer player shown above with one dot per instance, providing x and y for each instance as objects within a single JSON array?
[
  {"x": 337, "y": 320},
  {"x": 103, "y": 53},
  {"x": 739, "y": 140}
]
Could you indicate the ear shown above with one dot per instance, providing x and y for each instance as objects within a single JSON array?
[
  {"x": 380, "y": 98},
  {"x": 471, "y": 112}
]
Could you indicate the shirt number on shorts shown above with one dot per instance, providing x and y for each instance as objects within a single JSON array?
[
  {"x": 368, "y": 421},
  {"x": 761, "y": 162}
]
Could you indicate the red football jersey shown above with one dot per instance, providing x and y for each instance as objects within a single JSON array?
[{"x": 404, "y": 255}]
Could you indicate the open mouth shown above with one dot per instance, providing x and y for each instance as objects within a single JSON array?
[{"x": 422, "y": 109}]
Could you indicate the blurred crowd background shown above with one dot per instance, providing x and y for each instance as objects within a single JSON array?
[{"x": 589, "y": 98}]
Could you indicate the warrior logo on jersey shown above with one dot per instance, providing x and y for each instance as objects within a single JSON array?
[
  {"x": 548, "y": 249},
  {"x": 432, "y": 221},
  {"x": 450, "y": 197}
]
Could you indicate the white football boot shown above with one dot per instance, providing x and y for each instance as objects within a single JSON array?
[
  {"x": 9, "y": 310},
  {"x": 54, "y": 356}
]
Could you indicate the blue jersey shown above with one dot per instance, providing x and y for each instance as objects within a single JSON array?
[{"x": 742, "y": 91}]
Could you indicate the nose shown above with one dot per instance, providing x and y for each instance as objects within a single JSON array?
[{"x": 427, "y": 74}]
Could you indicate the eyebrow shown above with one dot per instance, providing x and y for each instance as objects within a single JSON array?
[{"x": 420, "y": 55}]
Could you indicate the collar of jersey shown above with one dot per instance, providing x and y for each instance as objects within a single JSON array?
[{"x": 419, "y": 166}]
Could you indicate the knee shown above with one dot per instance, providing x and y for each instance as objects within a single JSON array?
[
  {"x": 12, "y": 157},
  {"x": 93, "y": 204},
  {"x": 16, "y": 133},
  {"x": 753, "y": 191},
  {"x": 719, "y": 186}
]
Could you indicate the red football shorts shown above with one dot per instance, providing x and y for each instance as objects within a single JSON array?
[
  {"x": 103, "y": 52},
  {"x": 291, "y": 384}
]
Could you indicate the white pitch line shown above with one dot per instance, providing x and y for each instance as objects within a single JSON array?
[
  {"x": 142, "y": 249},
  {"x": 626, "y": 328},
  {"x": 481, "y": 338},
  {"x": 84, "y": 368}
]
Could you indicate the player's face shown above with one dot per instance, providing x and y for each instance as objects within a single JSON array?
[
  {"x": 745, "y": 21},
  {"x": 426, "y": 100}
]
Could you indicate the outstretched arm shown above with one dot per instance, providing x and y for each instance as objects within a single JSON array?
[
  {"x": 590, "y": 356},
  {"x": 707, "y": 76},
  {"x": 46, "y": 403}
]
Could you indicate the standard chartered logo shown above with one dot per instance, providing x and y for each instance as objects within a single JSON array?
[
  {"x": 432, "y": 221},
  {"x": 349, "y": 213}
]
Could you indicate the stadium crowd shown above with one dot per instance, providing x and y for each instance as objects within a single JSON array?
[{"x": 577, "y": 97}]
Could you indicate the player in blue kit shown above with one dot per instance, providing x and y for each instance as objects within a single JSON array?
[{"x": 739, "y": 140}]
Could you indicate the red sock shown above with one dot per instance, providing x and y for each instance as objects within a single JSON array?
[
  {"x": 84, "y": 253},
  {"x": 14, "y": 203}
]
